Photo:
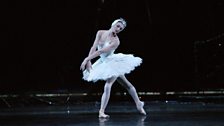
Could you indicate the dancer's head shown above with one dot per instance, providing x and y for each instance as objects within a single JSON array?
[{"x": 118, "y": 25}]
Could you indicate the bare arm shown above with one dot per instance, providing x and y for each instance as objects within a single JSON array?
[
  {"x": 96, "y": 41},
  {"x": 92, "y": 50},
  {"x": 97, "y": 53},
  {"x": 103, "y": 50}
]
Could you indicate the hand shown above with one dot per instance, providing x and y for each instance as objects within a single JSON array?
[
  {"x": 83, "y": 65},
  {"x": 89, "y": 66}
]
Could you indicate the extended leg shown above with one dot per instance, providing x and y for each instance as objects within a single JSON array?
[{"x": 132, "y": 91}]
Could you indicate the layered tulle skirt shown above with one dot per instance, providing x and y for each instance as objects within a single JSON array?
[{"x": 113, "y": 65}]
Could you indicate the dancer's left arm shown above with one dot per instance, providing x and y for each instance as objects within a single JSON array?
[{"x": 97, "y": 53}]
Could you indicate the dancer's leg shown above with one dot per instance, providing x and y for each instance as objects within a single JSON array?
[
  {"x": 106, "y": 96},
  {"x": 132, "y": 91}
]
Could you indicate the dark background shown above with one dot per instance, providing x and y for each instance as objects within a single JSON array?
[{"x": 44, "y": 42}]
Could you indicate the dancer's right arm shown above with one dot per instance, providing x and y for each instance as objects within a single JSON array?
[
  {"x": 96, "y": 41},
  {"x": 93, "y": 49}
]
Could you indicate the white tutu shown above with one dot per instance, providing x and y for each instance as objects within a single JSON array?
[{"x": 112, "y": 65}]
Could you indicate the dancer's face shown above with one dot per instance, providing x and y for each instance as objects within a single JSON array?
[{"x": 118, "y": 27}]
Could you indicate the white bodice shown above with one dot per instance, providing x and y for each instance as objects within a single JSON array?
[{"x": 104, "y": 55}]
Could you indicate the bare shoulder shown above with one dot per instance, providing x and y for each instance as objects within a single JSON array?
[
  {"x": 98, "y": 37},
  {"x": 100, "y": 32}
]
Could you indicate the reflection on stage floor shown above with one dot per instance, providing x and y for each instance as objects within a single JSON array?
[{"x": 159, "y": 113}]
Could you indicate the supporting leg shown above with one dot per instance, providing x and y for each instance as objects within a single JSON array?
[{"x": 105, "y": 97}]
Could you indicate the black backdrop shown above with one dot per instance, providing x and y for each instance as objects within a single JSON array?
[{"x": 44, "y": 42}]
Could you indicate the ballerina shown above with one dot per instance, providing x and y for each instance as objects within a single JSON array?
[{"x": 111, "y": 66}]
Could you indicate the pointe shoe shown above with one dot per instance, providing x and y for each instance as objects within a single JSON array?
[
  {"x": 103, "y": 115},
  {"x": 140, "y": 108}
]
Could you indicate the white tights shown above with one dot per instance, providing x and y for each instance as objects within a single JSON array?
[{"x": 130, "y": 88}]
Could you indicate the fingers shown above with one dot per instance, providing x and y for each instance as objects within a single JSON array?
[
  {"x": 86, "y": 65},
  {"x": 82, "y": 67}
]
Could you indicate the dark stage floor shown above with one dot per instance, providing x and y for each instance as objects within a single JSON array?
[{"x": 160, "y": 113}]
